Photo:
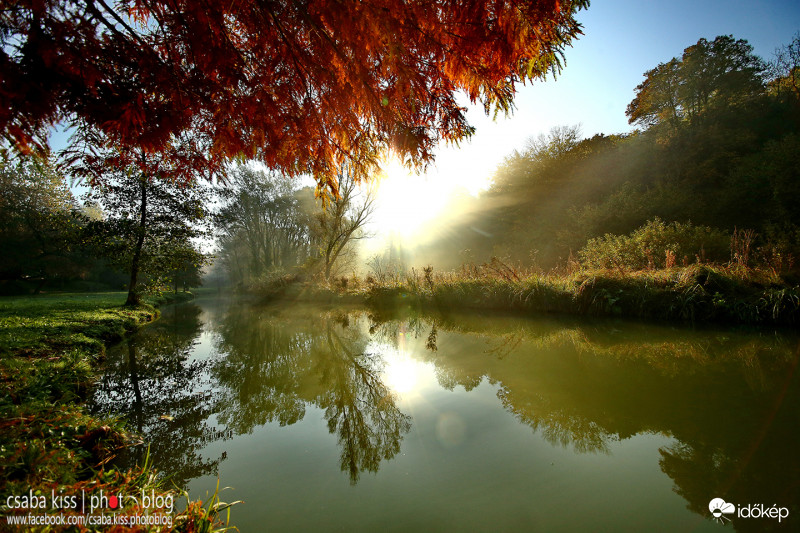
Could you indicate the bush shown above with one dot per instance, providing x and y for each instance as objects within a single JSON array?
[{"x": 656, "y": 245}]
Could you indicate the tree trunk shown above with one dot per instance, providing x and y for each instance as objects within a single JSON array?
[
  {"x": 133, "y": 293},
  {"x": 330, "y": 258},
  {"x": 40, "y": 286}
]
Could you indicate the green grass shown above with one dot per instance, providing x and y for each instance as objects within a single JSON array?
[
  {"x": 36, "y": 324},
  {"x": 59, "y": 448},
  {"x": 50, "y": 346}
]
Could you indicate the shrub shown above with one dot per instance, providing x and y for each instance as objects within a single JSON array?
[{"x": 656, "y": 245}]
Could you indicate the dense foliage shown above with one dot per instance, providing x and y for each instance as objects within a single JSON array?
[
  {"x": 720, "y": 149},
  {"x": 48, "y": 241},
  {"x": 264, "y": 227},
  {"x": 657, "y": 245},
  {"x": 709, "y": 76},
  {"x": 39, "y": 228},
  {"x": 151, "y": 229},
  {"x": 302, "y": 86}
]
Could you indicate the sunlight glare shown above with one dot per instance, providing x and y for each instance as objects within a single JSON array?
[
  {"x": 401, "y": 375},
  {"x": 407, "y": 201}
]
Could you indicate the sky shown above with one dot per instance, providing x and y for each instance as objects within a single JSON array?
[{"x": 622, "y": 39}]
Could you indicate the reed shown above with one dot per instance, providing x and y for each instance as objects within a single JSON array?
[{"x": 694, "y": 293}]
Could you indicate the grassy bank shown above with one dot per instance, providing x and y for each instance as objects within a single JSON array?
[
  {"x": 50, "y": 346},
  {"x": 697, "y": 293}
]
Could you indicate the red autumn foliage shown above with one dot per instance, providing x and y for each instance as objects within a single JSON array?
[{"x": 301, "y": 85}]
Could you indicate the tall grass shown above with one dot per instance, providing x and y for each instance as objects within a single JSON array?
[{"x": 695, "y": 293}]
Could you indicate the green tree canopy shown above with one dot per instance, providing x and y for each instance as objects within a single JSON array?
[
  {"x": 38, "y": 226},
  {"x": 264, "y": 226},
  {"x": 722, "y": 72},
  {"x": 150, "y": 226}
]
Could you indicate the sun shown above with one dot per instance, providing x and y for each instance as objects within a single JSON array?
[{"x": 407, "y": 202}]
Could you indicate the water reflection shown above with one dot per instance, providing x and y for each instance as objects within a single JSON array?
[
  {"x": 154, "y": 384},
  {"x": 731, "y": 400},
  {"x": 728, "y": 400},
  {"x": 276, "y": 366}
]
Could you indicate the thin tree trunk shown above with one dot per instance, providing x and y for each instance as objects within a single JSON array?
[
  {"x": 40, "y": 286},
  {"x": 133, "y": 293}
]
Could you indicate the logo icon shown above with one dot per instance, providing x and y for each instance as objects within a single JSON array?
[{"x": 719, "y": 508}]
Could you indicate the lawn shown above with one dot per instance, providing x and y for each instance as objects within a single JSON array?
[{"x": 50, "y": 343}]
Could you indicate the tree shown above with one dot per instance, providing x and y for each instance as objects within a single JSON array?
[
  {"x": 269, "y": 226},
  {"x": 785, "y": 69},
  {"x": 343, "y": 218},
  {"x": 723, "y": 72},
  {"x": 266, "y": 224},
  {"x": 39, "y": 230},
  {"x": 720, "y": 149},
  {"x": 553, "y": 146},
  {"x": 151, "y": 220},
  {"x": 657, "y": 97},
  {"x": 302, "y": 86},
  {"x": 186, "y": 267}
]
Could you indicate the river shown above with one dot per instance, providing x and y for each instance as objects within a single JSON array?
[{"x": 346, "y": 419}]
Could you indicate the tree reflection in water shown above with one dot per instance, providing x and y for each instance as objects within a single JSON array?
[
  {"x": 152, "y": 383},
  {"x": 275, "y": 366},
  {"x": 359, "y": 407},
  {"x": 749, "y": 452},
  {"x": 731, "y": 401}
]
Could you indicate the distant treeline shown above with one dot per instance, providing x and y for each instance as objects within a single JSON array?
[
  {"x": 717, "y": 146},
  {"x": 268, "y": 226},
  {"x": 146, "y": 231}
]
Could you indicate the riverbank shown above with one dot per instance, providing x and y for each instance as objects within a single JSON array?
[
  {"x": 50, "y": 347},
  {"x": 696, "y": 294}
]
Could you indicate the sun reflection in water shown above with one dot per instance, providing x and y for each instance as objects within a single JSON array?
[{"x": 401, "y": 374}]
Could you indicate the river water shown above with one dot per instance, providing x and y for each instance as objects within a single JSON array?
[{"x": 345, "y": 419}]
